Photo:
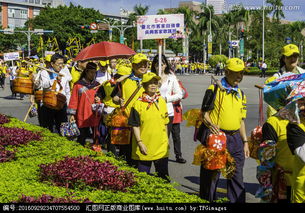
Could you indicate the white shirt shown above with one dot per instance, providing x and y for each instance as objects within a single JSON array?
[
  {"x": 47, "y": 79},
  {"x": 170, "y": 89},
  {"x": 13, "y": 72},
  {"x": 101, "y": 77},
  {"x": 264, "y": 66}
]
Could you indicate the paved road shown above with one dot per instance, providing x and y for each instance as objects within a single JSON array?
[{"x": 187, "y": 175}]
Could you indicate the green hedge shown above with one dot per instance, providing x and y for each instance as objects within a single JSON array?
[
  {"x": 256, "y": 71},
  {"x": 21, "y": 176}
]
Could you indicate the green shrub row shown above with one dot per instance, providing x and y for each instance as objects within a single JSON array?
[{"x": 21, "y": 176}]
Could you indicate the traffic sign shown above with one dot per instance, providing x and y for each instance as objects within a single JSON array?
[
  {"x": 93, "y": 31},
  {"x": 93, "y": 26},
  {"x": 103, "y": 26},
  {"x": 235, "y": 43}
]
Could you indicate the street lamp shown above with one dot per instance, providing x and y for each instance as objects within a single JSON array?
[
  {"x": 110, "y": 26},
  {"x": 28, "y": 33},
  {"x": 263, "y": 45},
  {"x": 122, "y": 27},
  {"x": 210, "y": 38}
]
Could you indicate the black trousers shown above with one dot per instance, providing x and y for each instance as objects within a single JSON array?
[
  {"x": 51, "y": 117},
  {"x": 84, "y": 134},
  {"x": 175, "y": 130},
  {"x": 161, "y": 167}
]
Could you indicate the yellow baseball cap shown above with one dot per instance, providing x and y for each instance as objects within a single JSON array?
[
  {"x": 235, "y": 65},
  {"x": 137, "y": 58},
  {"x": 104, "y": 63},
  {"x": 124, "y": 70},
  {"x": 48, "y": 58},
  {"x": 290, "y": 49},
  {"x": 149, "y": 76}
]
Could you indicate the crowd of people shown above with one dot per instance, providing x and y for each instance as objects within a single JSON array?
[{"x": 132, "y": 108}]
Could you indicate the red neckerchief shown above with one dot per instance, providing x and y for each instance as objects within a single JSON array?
[{"x": 150, "y": 99}]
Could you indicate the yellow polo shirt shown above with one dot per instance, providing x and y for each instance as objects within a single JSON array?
[
  {"x": 108, "y": 99},
  {"x": 298, "y": 176},
  {"x": 284, "y": 157},
  {"x": 128, "y": 88},
  {"x": 229, "y": 110},
  {"x": 75, "y": 76},
  {"x": 152, "y": 123}
]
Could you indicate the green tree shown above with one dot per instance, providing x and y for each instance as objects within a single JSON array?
[
  {"x": 139, "y": 10},
  {"x": 66, "y": 22},
  {"x": 276, "y": 9}
]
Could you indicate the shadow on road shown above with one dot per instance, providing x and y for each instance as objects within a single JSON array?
[{"x": 222, "y": 183}]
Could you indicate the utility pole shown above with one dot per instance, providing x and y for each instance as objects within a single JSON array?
[
  {"x": 28, "y": 33},
  {"x": 263, "y": 45}
]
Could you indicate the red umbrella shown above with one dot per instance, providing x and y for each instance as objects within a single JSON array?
[{"x": 104, "y": 50}]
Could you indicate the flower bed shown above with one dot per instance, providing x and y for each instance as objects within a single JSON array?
[
  {"x": 49, "y": 199},
  {"x": 16, "y": 136},
  {"x": 79, "y": 171},
  {"x": 22, "y": 175},
  {"x": 6, "y": 155},
  {"x": 4, "y": 119}
]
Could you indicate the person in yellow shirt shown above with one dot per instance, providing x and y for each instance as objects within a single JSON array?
[
  {"x": 149, "y": 119},
  {"x": 76, "y": 72},
  {"x": 3, "y": 72},
  {"x": 288, "y": 63},
  {"x": 274, "y": 130},
  {"x": 296, "y": 143},
  {"x": 225, "y": 110},
  {"x": 129, "y": 87},
  {"x": 104, "y": 93}
]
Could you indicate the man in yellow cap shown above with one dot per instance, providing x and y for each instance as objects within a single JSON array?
[
  {"x": 131, "y": 88},
  {"x": 224, "y": 109}
]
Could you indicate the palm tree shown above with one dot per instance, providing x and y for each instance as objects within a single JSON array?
[
  {"x": 139, "y": 10},
  {"x": 276, "y": 9}
]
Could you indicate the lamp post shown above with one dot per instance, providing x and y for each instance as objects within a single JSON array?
[
  {"x": 28, "y": 33},
  {"x": 210, "y": 38},
  {"x": 122, "y": 27},
  {"x": 263, "y": 45},
  {"x": 110, "y": 26}
]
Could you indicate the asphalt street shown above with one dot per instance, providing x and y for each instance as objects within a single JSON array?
[{"x": 187, "y": 175}]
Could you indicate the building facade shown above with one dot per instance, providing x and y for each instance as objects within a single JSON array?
[
  {"x": 219, "y": 6},
  {"x": 15, "y": 13}
]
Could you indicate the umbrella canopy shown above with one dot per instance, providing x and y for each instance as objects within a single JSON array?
[{"x": 104, "y": 50}]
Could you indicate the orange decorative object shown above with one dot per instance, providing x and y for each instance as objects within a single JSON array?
[
  {"x": 54, "y": 100},
  {"x": 38, "y": 95},
  {"x": 254, "y": 141},
  {"x": 23, "y": 85},
  {"x": 217, "y": 142},
  {"x": 118, "y": 118},
  {"x": 120, "y": 135},
  {"x": 97, "y": 148},
  {"x": 193, "y": 117},
  {"x": 210, "y": 158}
]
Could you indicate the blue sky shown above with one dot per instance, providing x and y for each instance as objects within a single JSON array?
[{"x": 113, "y": 6}]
